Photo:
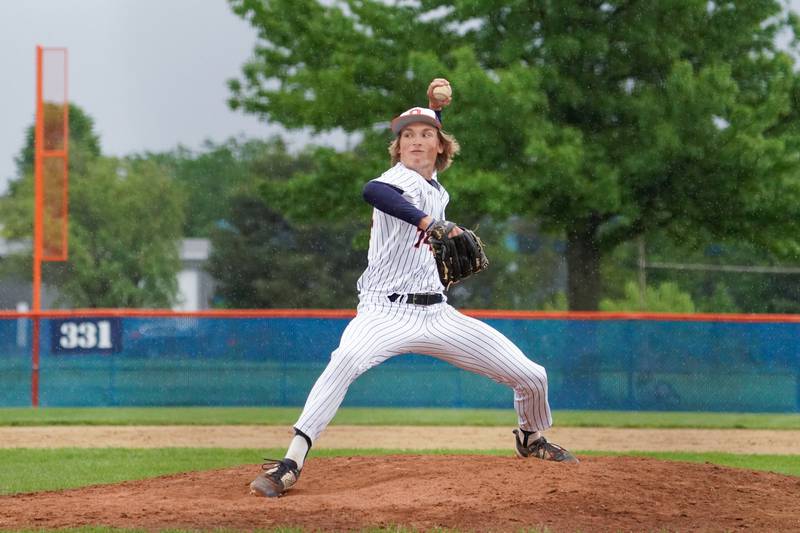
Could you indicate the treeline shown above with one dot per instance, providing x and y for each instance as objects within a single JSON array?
[
  {"x": 596, "y": 138},
  {"x": 278, "y": 243},
  {"x": 128, "y": 214}
]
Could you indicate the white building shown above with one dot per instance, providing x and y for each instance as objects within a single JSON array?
[{"x": 195, "y": 285}]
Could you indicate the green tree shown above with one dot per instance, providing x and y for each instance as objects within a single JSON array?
[
  {"x": 710, "y": 273},
  {"x": 603, "y": 120},
  {"x": 16, "y": 217},
  {"x": 124, "y": 227},
  {"x": 84, "y": 143},
  {"x": 716, "y": 290},
  {"x": 260, "y": 260},
  {"x": 213, "y": 175},
  {"x": 665, "y": 298},
  {"x": 526, "y": 269}
]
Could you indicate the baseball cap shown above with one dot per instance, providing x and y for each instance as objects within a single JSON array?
[{"x": 415, "y": 114}]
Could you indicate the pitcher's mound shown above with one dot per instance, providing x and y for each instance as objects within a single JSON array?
[{"x": 467, "y": 493}]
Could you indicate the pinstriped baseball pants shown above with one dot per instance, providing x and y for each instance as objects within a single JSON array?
[{"x": 382, "y": 330}]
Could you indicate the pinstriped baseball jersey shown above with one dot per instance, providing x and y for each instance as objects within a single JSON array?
[{"x": 399, "y": 258}]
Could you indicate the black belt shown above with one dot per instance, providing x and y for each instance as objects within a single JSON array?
[{"x": 426, "y": 298}]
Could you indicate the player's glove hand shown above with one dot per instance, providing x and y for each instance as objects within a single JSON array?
[{"x": 457, "y": 256}]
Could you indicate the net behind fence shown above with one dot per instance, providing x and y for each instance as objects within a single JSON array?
[{"x": 266, "y": 361}]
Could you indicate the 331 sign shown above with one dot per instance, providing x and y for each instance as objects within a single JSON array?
[{"x": 86, "y": 335}]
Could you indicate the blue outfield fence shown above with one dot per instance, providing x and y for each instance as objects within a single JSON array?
[{"x": 593, "y": 361}]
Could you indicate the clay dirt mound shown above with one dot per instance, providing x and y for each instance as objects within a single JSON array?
[{"x": 469, "y": 493}]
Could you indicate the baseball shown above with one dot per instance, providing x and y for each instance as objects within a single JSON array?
[{"x": 442, "y": 93}]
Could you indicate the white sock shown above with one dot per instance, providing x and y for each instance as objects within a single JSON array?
[{"x": 298, "y": 449}]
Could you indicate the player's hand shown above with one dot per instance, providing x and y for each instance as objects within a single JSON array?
[
  {"x": 426, "y": 224},
  {"x": 455, "y": 231},
  {"x": 433, "y": 102}
]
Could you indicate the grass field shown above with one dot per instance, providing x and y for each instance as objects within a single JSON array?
[{"x": 280, "y": 416}]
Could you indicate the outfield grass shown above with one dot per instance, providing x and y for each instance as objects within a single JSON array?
[
  {"x": 32, "y": 470},
  {"x": 285, "y": 416}
]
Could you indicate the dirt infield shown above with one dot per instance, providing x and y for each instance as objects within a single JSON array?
[{"x": 470, "y": 493}]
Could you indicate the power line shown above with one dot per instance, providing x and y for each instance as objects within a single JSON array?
[{"x": 725, "y": 268}]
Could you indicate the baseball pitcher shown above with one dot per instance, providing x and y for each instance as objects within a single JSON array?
[{"x": 414, "y": 255}]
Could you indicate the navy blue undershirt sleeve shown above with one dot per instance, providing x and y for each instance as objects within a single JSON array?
[{"x": 389, "y": 199}]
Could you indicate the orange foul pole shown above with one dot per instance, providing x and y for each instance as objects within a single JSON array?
[
  {"x": 37, "y": 229},
  {"x": 51, "y": 170}
]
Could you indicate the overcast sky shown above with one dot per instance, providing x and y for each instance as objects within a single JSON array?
[{"x": 152, "y": 73}]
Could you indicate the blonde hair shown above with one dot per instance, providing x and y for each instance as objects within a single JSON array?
[{"x": 450, "y": 148}]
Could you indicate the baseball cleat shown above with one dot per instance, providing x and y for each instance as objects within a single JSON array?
[
  {"x": 541, "y": 449},
  {"x": 277, "y": 478}
]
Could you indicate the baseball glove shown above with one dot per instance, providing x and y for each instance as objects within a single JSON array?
[{"x": 456, "y": 257}]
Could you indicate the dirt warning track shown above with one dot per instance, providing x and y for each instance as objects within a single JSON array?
[{"x": 739, "y": 441}]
